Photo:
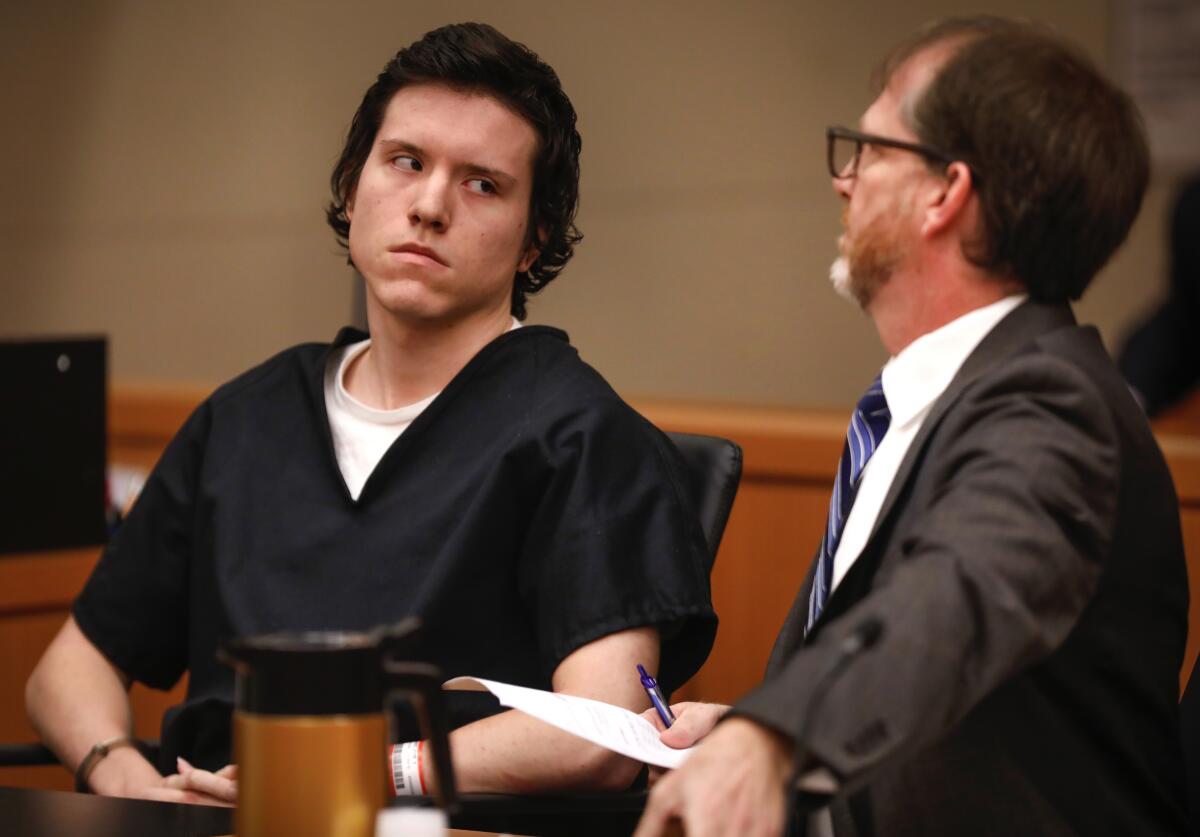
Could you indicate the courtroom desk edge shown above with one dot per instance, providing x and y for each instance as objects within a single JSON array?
[
  {"x": 31, "y": 812},
  {"x": 48, "y": 813}
]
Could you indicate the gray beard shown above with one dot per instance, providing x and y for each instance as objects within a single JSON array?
[{"x": 839, "y": 277}]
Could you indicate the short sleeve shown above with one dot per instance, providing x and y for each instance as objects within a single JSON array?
[
  {"x": 613, "y": 544},
  {"x": 134, "y": 607}
]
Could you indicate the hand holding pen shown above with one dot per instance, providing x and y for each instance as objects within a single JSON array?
[{"x": 656, "y": 697}]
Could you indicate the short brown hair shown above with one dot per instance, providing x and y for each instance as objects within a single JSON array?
[{"x": 1057, "y": 152}]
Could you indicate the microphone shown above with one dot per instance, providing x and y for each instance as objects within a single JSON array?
[{"x": 863, "y": 638}]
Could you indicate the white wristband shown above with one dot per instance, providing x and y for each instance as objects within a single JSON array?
[{"x": 406, "y": 769}]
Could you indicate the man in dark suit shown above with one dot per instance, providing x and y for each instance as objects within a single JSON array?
[{"x": 989, "y": 639}]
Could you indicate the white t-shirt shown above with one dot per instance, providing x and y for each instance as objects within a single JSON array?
[{"x": 362, "y": 434}]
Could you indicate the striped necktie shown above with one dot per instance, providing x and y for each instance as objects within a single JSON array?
[{"x": 867, "y": 428}]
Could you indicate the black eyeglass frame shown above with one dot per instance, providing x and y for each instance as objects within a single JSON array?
[{"x": 836, "y": 132}]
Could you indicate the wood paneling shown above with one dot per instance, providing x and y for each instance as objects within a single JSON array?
[
  {"x": 772, "y": 522},
  {"x": 779, "y": 515},
  {"x": 35, "y": 595}
]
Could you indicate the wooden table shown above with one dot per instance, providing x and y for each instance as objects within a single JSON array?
[
  {"x": 27, "y": 812},
  {"x": 43, "y": 813}
]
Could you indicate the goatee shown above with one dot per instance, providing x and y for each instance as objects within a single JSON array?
[{"x": 839, "y": 275}]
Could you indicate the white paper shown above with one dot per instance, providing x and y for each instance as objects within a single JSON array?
[{"x": 601, "y": 723}]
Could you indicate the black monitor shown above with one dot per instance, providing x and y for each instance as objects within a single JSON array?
[{"x": 52, "y": 443}]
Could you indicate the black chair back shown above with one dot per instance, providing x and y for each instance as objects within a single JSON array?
[{"x": 714, "y": 469}]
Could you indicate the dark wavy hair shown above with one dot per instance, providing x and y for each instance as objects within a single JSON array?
[
  {"x": 477, "y": 58},
  {"x": 1057, "y": 152}
]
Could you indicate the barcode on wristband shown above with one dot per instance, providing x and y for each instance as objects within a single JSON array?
[{"x": 406, "y": 769}]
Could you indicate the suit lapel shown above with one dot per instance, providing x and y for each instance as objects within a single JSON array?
[{"x": 1025, "y": 323}]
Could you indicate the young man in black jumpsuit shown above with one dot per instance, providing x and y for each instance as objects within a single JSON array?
[{"x": 453, "y": 465}]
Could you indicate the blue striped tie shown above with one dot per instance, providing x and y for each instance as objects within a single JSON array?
[{"x": 867, "y": 428}]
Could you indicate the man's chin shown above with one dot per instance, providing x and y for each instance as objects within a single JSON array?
[{"x": 405, "y": 301}]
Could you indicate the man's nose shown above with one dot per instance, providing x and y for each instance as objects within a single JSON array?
[
  {"x": 431, "y": 203},
  {"x": 842, "y": 186}
]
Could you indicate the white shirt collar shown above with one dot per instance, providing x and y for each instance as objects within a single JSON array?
[
  {"x": 399, "y": 415},
  {"x": 913, "y": 379}
]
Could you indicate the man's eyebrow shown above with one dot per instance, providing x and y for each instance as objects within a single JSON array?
[
  {"x": 401, "y": 145},
  {"x": 495, "y": 174},
  {"x": 471, "y": 168}
]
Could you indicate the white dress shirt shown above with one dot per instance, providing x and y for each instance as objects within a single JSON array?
[{"x": 912, "y": 381}]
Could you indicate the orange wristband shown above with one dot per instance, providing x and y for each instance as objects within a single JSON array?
[
  {"x": 391, "y": 768},
  {"x": 421, "y": 767}
]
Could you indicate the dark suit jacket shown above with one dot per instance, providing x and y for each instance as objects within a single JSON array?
[{"x": 1028, "y": 568}]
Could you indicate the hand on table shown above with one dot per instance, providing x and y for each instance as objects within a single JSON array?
[
  {"x": 733, "y": 784},
  {"x": 194, "y": 786},
  {"x": 125, "y": 772}
]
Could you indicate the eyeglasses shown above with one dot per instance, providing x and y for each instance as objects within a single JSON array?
[{"x": 845, "y": 147}]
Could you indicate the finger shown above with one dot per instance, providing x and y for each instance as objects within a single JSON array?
[
  {"x": 654, "y": 774},
  {"x": 651, "y": 824},
  {"x": 163, "y": 794},
  {"x": 686, "y": 706},
  {"x": 229, "y": 771},
  {"x": 204, "y": 799},
  {"x": 692, "y": 725},
  {"x": 212, "y": 785},
  {"x": 658, "y": 823},
  {"x": 651, "y": 715},
  {"x": 659, "y": 809}
]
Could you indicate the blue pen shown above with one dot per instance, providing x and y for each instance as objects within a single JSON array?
[{"x": 656, "y": 697}]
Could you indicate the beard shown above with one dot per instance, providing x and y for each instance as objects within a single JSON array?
[
  {"x": 839, "y": 276},
  {"x": 871, "y": 258}
]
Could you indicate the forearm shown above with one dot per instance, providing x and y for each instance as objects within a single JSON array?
[
  {"x": 516, "y": 753},
  {"x": 75, "y": 698}
]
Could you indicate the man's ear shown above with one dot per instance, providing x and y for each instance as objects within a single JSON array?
[
  {"x": 949, "y": 202},
  {"x": 532, "y": 251}
]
